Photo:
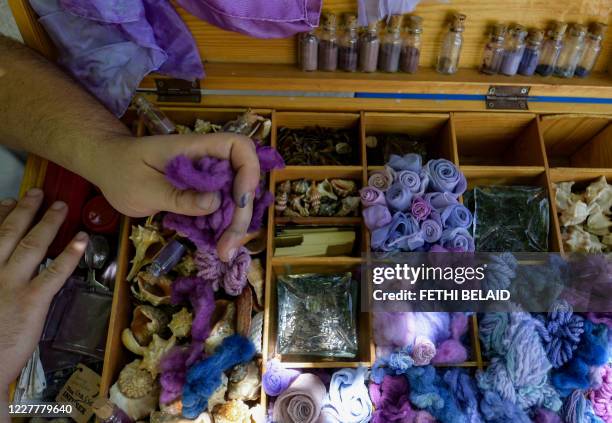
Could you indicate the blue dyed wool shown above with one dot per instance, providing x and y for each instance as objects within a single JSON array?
[
  {"x": 495, "y": 409},
  {"x": 204, "y": 377},
  {"x": 578, "y": 409},
  {"x": 395, "y": 364},
  {"x": 562, "y": 333},
  {"x": 463, "y": 386},
  {"x": 500, "y": 271}
]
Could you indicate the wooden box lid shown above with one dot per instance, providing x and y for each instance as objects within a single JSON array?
[{"x": 243, "y": 71}]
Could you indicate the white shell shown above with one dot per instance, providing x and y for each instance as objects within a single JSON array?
[
  {"x": 575, "y": 214},
  {"x": 233, "y": 411},
  {"x": 600, "y": 192},
  {"x": 135, "y": 391},
  {"x": 598, "y": 223},
  {"x": 218, "y": 397},
  {"x": 245, "y": 382},
  {"x": 563, "y": 194},
  {"x": 578, "y": 240},
  {"x": 223, "y": 328}
]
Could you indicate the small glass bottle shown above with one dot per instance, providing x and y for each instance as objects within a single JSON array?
[
  {"x": 369, "y": 44},
  {"x": 571, "y": 52},
  {"x": 348, "y": 52},
  {"x": 328, "y": 44},
  {"x": 154, "y": 119},
  {"x": 551, "y": 47},
  {"x": 411, "y": 50},
  {"x": 531, "y": 56},
  {"x": 308, "y": 50},
  {"x": 391, "y": 45},
  {"x": 494, "y": 51},
  {"x": 108, "y": 412},
  {"x": 448, "y": 60},
  {"x": 167, "y": 258},
  {"x": 513, "y": 50},
  {"x": 592, "y": 49}
]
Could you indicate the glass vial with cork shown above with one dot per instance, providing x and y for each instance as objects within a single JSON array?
[
  {"x": 450, "y": 52},
  {"x": 154, "y": 119},
  {"x": 391, "y": 45},
  {"x": 551, "y": 48},
  {"x": 531, "y": 56},
  {"x": 369, "y": 44},
  {"x": 571, "y": 52},
  {"x": 308, "y": 51},
  {"x": 328, "y": 43},
  {"x": 348, "y": 51},
  {"x": 513, "y": 50},
  {"x": 411, "y": 50},
  {"x": 592, "y": 49},
  {"x": 494, "y": 51},
  {"x": 107, "y": 412}
]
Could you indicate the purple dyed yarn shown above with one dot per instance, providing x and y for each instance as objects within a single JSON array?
[
  {"x": 173, "y": 373},
  {"x": 210, "y": 174},
  {"x": 562, "y": 333},
  {"x": 543, "y": 415},
  {"x": 231, "y": 276},
  {"x": 390, "y": 399},
  {"x": 202, "y": 298},
  {"x": 276, "y": 378}
]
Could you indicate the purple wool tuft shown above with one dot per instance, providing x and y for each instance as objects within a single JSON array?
[
  {"x": 232, "y": 276},
  {"x": 173, "y": 373},
  {"x": 202, "y": 298}
]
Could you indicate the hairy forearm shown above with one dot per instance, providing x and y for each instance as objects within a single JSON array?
[{"x": 45, "y": 112}]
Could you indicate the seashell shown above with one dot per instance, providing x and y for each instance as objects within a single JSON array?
[
  {"x": 313, "y": 197},
  {"x": 256, "y": 332},
  {"x": 148, "y": 241},
  {"x": 165, "y": 417},
  {"x": 258, "y": 414},
  {"x": 181, "y": 323},
  {"x": 182, "y": 129},
  {"x": 202, "y": 126},
  {"x": 151, "y": 289},
  {"x": 154, "y": 353},
  {"x": 233, "y": 411},
  {"x": 255, "y": 276},
  {"x": 218, "y": 397},
  {"x": 174, "y": 408},
  {"x": 597, "y": 222},
  {"x": 563, "y": 195},
  {"x": 343, "y": 187},
  {"x": 343, "y": 148},
  {"x": 371, "y": 141},
  {"x": 575, "y": 214},
  {"x": 299, "y": 187},
  {"x": 281, "y": 201},
  {"x": 262, "y": 131},
  {"x": 328, "y": 209},
  {"x": 187, "y": 266},
  {"x": 245, "y": 382},
  {"x": 600, "y": 192},
  {"x": 224, "y": 317},
  {"x": 296, "y": 205},
  {"x": 135, "y": 392},
  {"x": 147, "y": 321},
  {"x": 348, "y": 206},
  {"x": 284, "y": 187},
  {"x": 606, "y": 239},
  {"x": 244, "y": 309},
  {"x": 577, "y": 240},
  {"x": 290, "y": 213},
  {"x": 326, "y": 190}
]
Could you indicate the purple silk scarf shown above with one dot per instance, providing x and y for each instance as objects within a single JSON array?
[{"x": 110, "y": 46}]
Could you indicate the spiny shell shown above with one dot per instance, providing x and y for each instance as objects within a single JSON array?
[
  {"x": 348, "y": 206},
  {"x": 343, "y": 187},
  {"x": 151, "y": 289},
  {"x": 181, "y": 323},
  {"x": 186, "y": 266},
  {"x": 154, "y": 353},
  {"x": 233, "y": 411},
  {"x": 147, "y": 242},
  {"x": 296, "y": 205},
  {"x": 326, "y": 190},
  {"x": 313, "y": 197},
  {"x": 577, "y": 240},
  {"x": 563, "y": 194},
  {"x": 575, "y": 214},
  {"x": 255, "y": 276},
  {"x": 204, "y": 127},
  {"x": 598, "y": 223},
  {"x": 134, "y": 382},
  {"x": 245, "y": 382},
  {"x": 224, "y": 317},
  {"x": 299, "y": 187},
  {"x": 600, "y": 192},
  {"x": 146, "y": 321}
]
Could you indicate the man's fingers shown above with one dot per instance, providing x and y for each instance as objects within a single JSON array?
[
  {"x": 6, "y": 206},
  {"x": 18, "y": 221},
  {"x": 187, "y": 202},
  {"x": 231, "y": 239},
  {"x": 32, "y": 248},
  {"x": 50, "y": 280}
]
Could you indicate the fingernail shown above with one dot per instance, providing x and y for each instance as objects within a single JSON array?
[
  {"x": 244, "y": 200},
  {"x": 7, "y": 202},
  {"x": 81, "y": 236},
  {"x": 58, "y": 205},
  {"x": 34, "y": 192},
  {"x": 207, "y": 201}
]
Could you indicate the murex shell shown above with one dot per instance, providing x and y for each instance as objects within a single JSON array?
[
  {"x": 348, "y": 206},
  {"x": 326, "y": 190},
  {"x": 245, "y": 382},
  {"x": 343, "y": 187},
  {"x": 147, "y": 321},
  {"x": 181, "y": 323},
  {"x": 135, "y": 392},
  {"x": 151, "y": 289},
  {"x": 187, "y": 266},
  {"x": 152, "y": 353},
  {"x": 578, "y": 240},
  {"x": 147, "y": 241},
  {"x": 313, "y": 197},
  {"x": 224, "y": 317}
]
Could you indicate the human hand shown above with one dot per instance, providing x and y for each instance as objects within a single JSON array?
[
  {"x": 131, "y": 174},
  {"x": 24, "y": 299}
]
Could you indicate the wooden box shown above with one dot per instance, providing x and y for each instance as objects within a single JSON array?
[{"x": 564, "y": 134}]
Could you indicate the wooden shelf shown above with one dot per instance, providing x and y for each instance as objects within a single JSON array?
[
  {"x": 324, "y": 364},
  {"x": 332, "y": 221},
  {"x": 318, "y": 172}
]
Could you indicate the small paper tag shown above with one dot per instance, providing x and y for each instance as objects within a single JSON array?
[{"x": 80, "y": 390}]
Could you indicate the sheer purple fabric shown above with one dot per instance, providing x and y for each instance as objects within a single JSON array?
[
  {"x": 110, "y": 46},
  {"x": 258, "y": 18}
]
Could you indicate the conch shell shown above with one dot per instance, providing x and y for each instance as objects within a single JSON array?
[
  {"x": 255, "y": 276},
  {"x": 313, "y": 197},
  {"x": 326, "y": 190},
  {"x": 299, "y": 187},
  {"x": 181, "y": 323},
  {"x": 224, "y": 317},
  {"x": 348, "y": 206},
  {"x": 575, "y": 214},
  {"x": 147, "y": 321},
  {"x": 578, "y": 240},
  {"x": 245, "y": 382},
  {"x": 135, "y": 392},
  {"x": 563, "y": 195},
  {"x": 218, "y": 397},
  {"x": 152, "y": 353},
  {"x": 148, "y": 241},
  {"x": 598, "y": 223},
  {"x": 256, "y": 332},
  {"x": 233, "y": 411},
  {"x": 151, "y": 289},
  {"x": 343, "y": 187},
  {"x": 600, "y": 192}
]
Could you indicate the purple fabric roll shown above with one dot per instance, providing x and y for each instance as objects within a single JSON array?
[
  {"x": 440, "y": 200},
  {"x": 376, "y": 216},
  {"x": 403, "y": 234},
  {"x": 381, "y": 179},
  {"x": 420, "y": 208},
  {"x": 411, "y": 161},
  {"x": 371, "y": 196},
  {"x": 457, "y": 239},
  {"x": 431, "y": 230},
  {"x": 456, "y": 216},
  {"x": 399, "y": 198},
  {"x": 417, "y": 184},
  {"x": 444, "y": 176},
  {"x": 109, "y": 47},
  {"x": 276, "y": 378},
  {"x": 258, "y": 18}
]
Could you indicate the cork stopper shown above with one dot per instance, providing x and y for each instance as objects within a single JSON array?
[
  {"x": 535, "y": 36},
  {"x": 103, "y": 408},
  {"x": 518, "y": 31},
  {"x": 598, "y": 30},
  {"x": 395, "y": 23},
  {"x": 499, "y": 31},
  {"x": 373, "y": 26},
  {"x": 329, "y": 20},
  {"x": 558, "y": 30},
  {"x": 350, "y": 21},
  {"x": 458, "y": 22},
  {"x": 415, "y": 24},
  {"x": 578, "y": 30}
]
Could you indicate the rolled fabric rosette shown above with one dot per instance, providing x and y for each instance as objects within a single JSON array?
[
  {"x": 444, "y": 176},
  {"x": 301, "y": 402}
]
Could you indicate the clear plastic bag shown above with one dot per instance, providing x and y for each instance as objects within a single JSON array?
[
  {"x": 510, "y": 218},
  {"x": 317, "y": 315}
]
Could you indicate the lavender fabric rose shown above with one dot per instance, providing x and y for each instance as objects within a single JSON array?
[
  {"x": 420, "y": 208},
  {"x": 399, "y": 198},
  {"x": 371, "y": 196},
  {"x": 380, "y": 179},
  {"x": 417, "y": 184},
  {"x": 411, "y": 161},
  {"x": 440, "y": 200},
  {"x": 456, "y": 216},
  {"x": 458, "y": 240},
  {"x": 404, "y": 234},
  {"x": 431, "y": 230},
  {"x": 444, "y": 176},
  {"x": 376, "y": 216}
]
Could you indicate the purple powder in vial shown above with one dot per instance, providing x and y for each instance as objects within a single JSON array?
[
  {"x": 409, "y": 61},
  {"x": 347, "y": 58},
  {"x": 529, "y": 62},
  {"x": 328, "y": 55},
  {"x": 388, "y": 60}
]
